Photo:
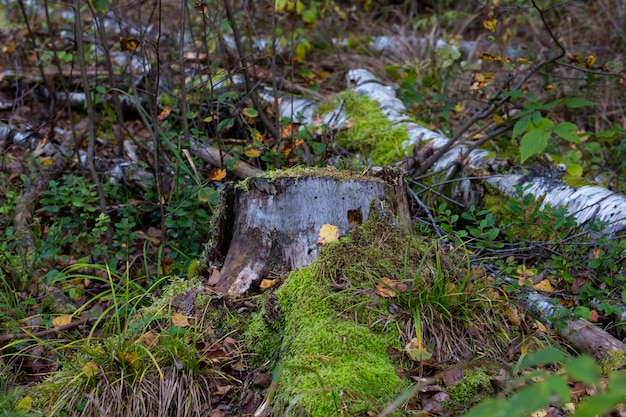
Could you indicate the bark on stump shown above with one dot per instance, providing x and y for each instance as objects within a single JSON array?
[{"x": 270, "y": 225}]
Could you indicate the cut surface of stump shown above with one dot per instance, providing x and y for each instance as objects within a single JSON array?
[{"x": 271, "y": 225}]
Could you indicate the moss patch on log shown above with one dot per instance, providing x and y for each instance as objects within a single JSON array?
[{"x": 369, "y": 133}]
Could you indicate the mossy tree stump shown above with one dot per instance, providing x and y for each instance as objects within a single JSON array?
[{"x": 269, "y": 225}]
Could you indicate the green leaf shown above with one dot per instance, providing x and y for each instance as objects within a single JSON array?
[
  {"x": 231, "y": 164},
  {"x": 228, "y": 95},
  {"x": 543, "y": 357},
  {"x": 101, "y": 5},
  {"x": 606, "y": 134},
  {"x": 489, "y": 408},
  {"x": 584, "y": 369},
  {"x": 574, "y": 103},
  {"x": 303, "y": 48},
  {"x": 598, "y": 404},
  {"x": 493, "y": 233},
  {"x": 280, "y": 5},
  {"x": 521, "y": 126},
  {"x": 617, "y": 382},
  {"x": 250, "y": 112},
  {"x": 536, "y": 118},
  {"x": 208, "y": 195},
  {"x": 532, "y": 143},
  {"x": 225, "y": 124},
  {"x": 310, "y": 15},
  {"x": 567, "y": 131},
  {"x": 575, "y": 170},
  {"x": 542, "y": 124},
  {"x": 536, "y": 396}
]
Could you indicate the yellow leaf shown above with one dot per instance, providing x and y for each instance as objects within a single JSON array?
[
  {"x": 201, "y": 7},
  {"x": 9, "y": 47},
  {"x": 328, "y": 233},
  {"x": 490, "y": 24},
  {"x": 480, "y": 80},
  {"x": 590, "y": 60},
  {"x": 217, "y": 174},
  {"x": 91, "y": 369},
  {"x": 129, "y": 44},
  {"x": 252, "y": 153},
  {"x": 544, "y": 285},
  {"x": 490, "y": 57},
  {"x": 497, "y": 119},
  {"x": 62, "y": 320},
  {"x": 268, "y": 283},
  {"x": 25, "y": 403},
  {"x": 387, "y": 288},
  {"x": 130, "y": 358},
  {"x": 164, "y": 113},
  {"x": 180, "y": 320},
  {"x": 459, "y": 107}
]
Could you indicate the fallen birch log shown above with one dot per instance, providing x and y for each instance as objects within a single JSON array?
[
  {"x": 586, "y": 203},
  {"x": 583, "y": 335}
]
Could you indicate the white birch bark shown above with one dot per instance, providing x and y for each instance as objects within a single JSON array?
[{"x": 586, "y": 203}]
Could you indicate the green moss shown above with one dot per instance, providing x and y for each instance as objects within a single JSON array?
[
  {"x": 472, "y": 389},
  {"x": 302, "y": 171},
  {"x": 262, "y": 339},
  {"x": 615, "y": 360},
  {"x": 372, "y": 134},
  {"x": 328, "y": 355},
  {"x": 576, "y": 182},
  {"x": 192, "y": 269},
  {"x": 335, "y": 344}
]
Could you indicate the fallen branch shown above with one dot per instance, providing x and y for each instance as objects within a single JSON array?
[{"x": 217, "y": 158}]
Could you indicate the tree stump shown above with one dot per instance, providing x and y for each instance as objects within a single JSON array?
[{"x": 269, "y": 225}]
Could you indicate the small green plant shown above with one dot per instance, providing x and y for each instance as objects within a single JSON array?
[
  {"x": 535, "y": 129},
  {"x": 539, "y": 388},
  {"x": 71, "y": 203}
]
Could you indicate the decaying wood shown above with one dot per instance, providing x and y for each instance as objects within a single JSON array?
[
  {"x": 583, "y": 335},
  {"x": 218, "y": 159},
  {"x": 269, "y": 226}
]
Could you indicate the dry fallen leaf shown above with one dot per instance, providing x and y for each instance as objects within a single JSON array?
[
  {"x": 268, "y": 283},
  {"x": 544, "y": 285},
  {"x": 62, "y": 320},
  {"x": 91, "y": 369},
  {"x": 217, "y": 174},
  {"x": 387, "y": 288},
  {"x": 384, "y": 289},
  {"x": 180, "y": 320},
  {"x": 149, "y": 338},
  {"x": 513, "y": 315},
  {"x": 328, "y": 233}
]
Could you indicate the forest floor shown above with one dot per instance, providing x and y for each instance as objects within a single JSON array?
[{"x": 97, "y": 259}]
